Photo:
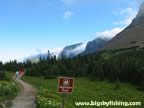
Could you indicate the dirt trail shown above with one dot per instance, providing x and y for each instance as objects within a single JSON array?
[{"x": 26, "y": 96}]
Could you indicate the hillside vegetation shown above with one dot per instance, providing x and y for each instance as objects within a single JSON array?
[{"x": 125, "y": 65}]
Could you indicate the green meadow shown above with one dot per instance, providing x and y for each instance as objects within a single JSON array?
[{"x": 86, "y": 90}]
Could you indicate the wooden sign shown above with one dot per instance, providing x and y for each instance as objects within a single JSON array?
[{"x": 65, "y": 85}]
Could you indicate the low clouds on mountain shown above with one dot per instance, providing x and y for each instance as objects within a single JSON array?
[
  {"x": 76, "y": 50},
  {"x": 108, "y": 34}
]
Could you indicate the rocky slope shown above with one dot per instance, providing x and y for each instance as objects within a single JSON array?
[{"x": 132, "y": 36}]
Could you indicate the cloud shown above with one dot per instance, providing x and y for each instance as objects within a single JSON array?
[
  {"x": 130, "y": 13},
  {"x": 139, "y": 1},
  {"x": 5, "y": 59},
  {"x": 77, "y": 50},
  {"x": 53, "y": 52},
  {"x": 20, "y": 57},
  {"x": 108, "y": 34},
  {"x": 15, "y": 54},
  {"x": 56, "y": 51},
  {"x": 124, "y": 22},
  {"x": 67, "y": 15},
  {"x": 68, "y": 2}
]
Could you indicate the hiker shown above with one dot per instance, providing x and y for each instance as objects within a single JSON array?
[
  {"x": 17, "y": 74},
  {"x": 22, "y": 71},
  {"x": 20, "y": 74}
]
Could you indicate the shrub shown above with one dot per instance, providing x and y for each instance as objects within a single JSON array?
[
  {"x": 47, "y": 99},
  {"x": 2, "y": 75},
  {"x": 8, "y": 89}
]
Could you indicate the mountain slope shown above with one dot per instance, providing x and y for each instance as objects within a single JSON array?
[
  {"x": 94, "y": 45},
  {"x": 131, "y": 36},
  {"x": 72, "y": 50},
  {"x": 139, "y": 20}
]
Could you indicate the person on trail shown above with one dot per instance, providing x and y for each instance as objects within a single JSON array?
[
  {"x": 20, "y": 74},
  {"x": 17, "y": 74},
  {"x": 22, "y": 70}
]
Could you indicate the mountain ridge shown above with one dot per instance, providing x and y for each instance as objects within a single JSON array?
[
  {"x": 73, "y": 50},
  {"x": 131, "y": 36},
  {"x": 94, "y": 45}
]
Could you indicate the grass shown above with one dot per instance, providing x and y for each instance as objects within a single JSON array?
[{"x": 86, "y": 90}]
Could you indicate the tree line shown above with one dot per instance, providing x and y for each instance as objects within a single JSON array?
[{"x": 125, "y": 65}]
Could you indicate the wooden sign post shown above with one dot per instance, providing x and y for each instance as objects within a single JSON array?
[{"x": 65, "y": 86}]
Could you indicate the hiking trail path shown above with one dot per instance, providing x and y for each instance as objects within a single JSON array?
[{"x": 26, "y": 96}]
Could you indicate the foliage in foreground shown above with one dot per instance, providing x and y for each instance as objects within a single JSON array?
[
  {"x": 8, "y": 89},
  {"x": 3, "y": 76},
  {"x": 46, "y": 99}
]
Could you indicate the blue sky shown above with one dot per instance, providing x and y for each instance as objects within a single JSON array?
[{"x": 28, "y": 27}]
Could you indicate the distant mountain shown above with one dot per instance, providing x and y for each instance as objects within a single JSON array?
[
  {"x": 132, "y": 36},
  {"x": 72, "y": 50},
  {"x": 33, "y": 60},
  {"x": 36, "y": 57},
  {"x": 68, "y": 51},
  {"x": 43, "y": 56},
  {"x": 94, "y": 45}
]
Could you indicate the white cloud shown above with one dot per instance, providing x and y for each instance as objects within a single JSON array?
[
  {"x": 43, "y": 51},
  {"x": 20, "y": 56},
  {"x": 108, "y": 34},
  {"x": 15, "y": 54},
  {"x": 77, "y": 50},
  {"x": 129, "y": 13},
  {"x": 125, "y": 22},
  {"x": 56, "y": 51},
  {"x": 68, "y": 2},
  {"x": 67, "y": 15},
  {"x": 11, "y": 58}
]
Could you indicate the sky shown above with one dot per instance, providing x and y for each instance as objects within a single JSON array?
[{"x": 29, "y": 27}]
